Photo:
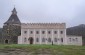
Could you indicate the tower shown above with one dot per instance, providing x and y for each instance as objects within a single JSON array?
[{"x": 11, "y": 29}]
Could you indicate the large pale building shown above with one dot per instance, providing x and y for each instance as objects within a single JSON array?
[
  {"x": 15, "y": 32},
  {"x": 47, "y": 33}
]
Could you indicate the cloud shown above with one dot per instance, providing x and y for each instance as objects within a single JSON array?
[{"x": 44, "y": 10}]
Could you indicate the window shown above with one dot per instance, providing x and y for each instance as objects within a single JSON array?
[
  {"x": 31, "y": 32},
  {"x": 70, "y": 39},
  {"x": 43, "y": 39},
  {"x": 61, "y": 32},
  {"x": 55, "y": 32},
  {"x": 43, "y": 32},
  {"x": 37, "y": 32},
  {"x": 73, "y": 39},
  {"x": 37, "y": 39},
  {"x": 25, "y": 32},
  {"x": 76, "y": 39},
  {"x": 49, "y": 32},
  {"x": 55, "y": 39},
  {"x": 6, "y": 41},
  {"x": 25, "y": 39},
  {"x": 49, "y": 39},
  {"x": 61, "y": 39}
]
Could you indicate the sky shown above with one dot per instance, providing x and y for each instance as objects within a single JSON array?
[{"x": 71, "y": 12}]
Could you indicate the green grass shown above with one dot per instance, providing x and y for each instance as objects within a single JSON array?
[{"x": 55, "y": 49}]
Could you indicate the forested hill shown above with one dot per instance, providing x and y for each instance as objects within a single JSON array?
[{"x": 77, "y": 30}]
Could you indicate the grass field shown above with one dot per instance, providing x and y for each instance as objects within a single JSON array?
[{"x": 53, "y": 50}]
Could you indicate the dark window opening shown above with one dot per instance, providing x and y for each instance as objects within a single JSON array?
[
  {"x": 25, "y": 32},
  {"x": 61, "y": 39},
  {"x": 6, "y": 41},
  {"x": 43, "y": 32},
  {"x": 55, "y": 32},
  {"x": 49, "y": 32},
  {"x": 37, "y": 32},
  {"x": 31, "y": 32},
  {"x": 61, "y": 32}
]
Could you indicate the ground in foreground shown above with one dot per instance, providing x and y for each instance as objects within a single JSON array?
[{"x": 41, "y": 50}]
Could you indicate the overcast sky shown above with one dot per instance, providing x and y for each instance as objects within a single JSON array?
[{"x": 72, "y": 12}]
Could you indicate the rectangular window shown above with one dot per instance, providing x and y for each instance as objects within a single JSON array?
[
  {"x": 55, "y": 32},
  {"x": 61, "y": 32},
  {"x": 25, "y": 39},
  {"x": 31, "y": 32},
  {"x": 73, "y": 39},
  {"x": 43, "y": 32},
  {"x": 37, "y": 32},
  {"x": 25, "y": 32},
  {"x": 49, "y": 32},
  {"x": 37, "y": 39},
  {"x": 76, "y": 39},
  {"x": 55, "y": 39},
  {"x": 70, "y": 39},
  {"x": 49, "y": 39},
  {"x": 61, "y": 39},
  {"x": 43, "y": 39}
]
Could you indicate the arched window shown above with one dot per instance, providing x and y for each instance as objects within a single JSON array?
[
  {"x": 49, "y": 39},
  {"x": 25, "y": 39},
  {"x": 55, "y": 39},
  {"x": 43, "y": 39},
  {"x": 6, "y": 41},
  {"x": 37, "y": 39}
]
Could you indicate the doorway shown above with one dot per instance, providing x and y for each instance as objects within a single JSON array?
[
  {"x": 31, "y": 40},
  {"x": 6, "y": 41}
]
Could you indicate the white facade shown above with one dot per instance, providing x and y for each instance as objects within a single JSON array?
[
  {"x": 45, "y": 33},
  {"x": 74, "y": 40}
]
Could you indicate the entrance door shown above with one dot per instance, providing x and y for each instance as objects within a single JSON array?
[
  {"x": 31, "y": 40},
  {"x": 6, "y": 41}
]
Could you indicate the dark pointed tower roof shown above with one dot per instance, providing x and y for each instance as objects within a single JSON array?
[{"x": 13, "y": 19}]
